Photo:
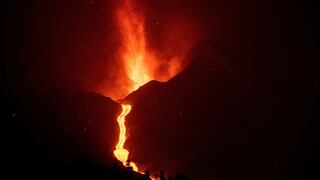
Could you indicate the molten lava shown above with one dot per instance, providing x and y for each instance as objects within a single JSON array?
[
  {"x": 139, "y": 65},
  {"x": 120, "y": 153}
]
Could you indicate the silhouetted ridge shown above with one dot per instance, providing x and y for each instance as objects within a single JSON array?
[{"x": 142, "y": 91}]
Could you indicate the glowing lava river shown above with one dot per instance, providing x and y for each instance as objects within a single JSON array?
[{"x": 120, "y": 153}]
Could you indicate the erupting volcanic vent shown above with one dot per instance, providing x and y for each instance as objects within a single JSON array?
[{"x": 140, "y": 64}]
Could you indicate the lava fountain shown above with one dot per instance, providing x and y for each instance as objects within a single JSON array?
[{"x": 140, "y": 65}]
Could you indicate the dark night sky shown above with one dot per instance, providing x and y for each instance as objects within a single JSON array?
[{"x": 244, "y": 108}]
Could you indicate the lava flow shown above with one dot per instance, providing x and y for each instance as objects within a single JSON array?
[
  {"x": 120, "y": 153},
  {"x": 139, "y": 66}
]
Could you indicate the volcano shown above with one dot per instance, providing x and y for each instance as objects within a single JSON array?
[
  {"x": 228, "y": 89},
  {"x": 60, "y": 117}
]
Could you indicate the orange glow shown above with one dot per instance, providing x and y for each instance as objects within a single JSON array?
[
  {"x": 133, "y": 51},
  {"x": 139, "y": 64}
]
